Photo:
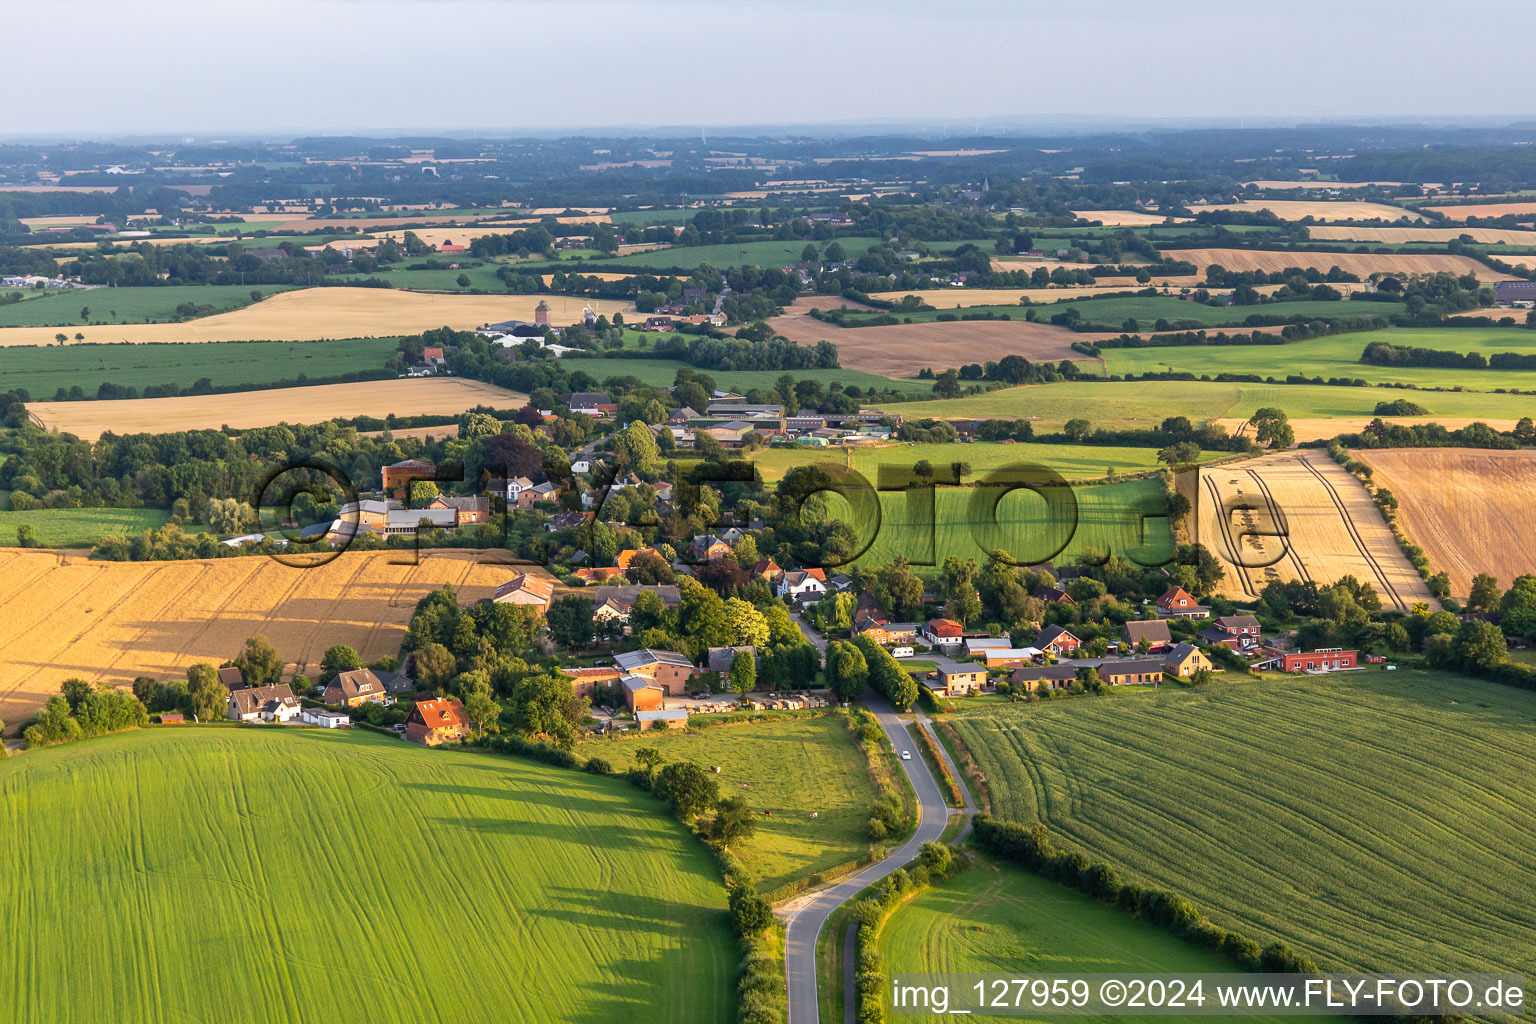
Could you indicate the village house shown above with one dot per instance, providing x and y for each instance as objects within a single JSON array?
[
  {"x": 768, "y": 569},
  {"x": 1185, "y": 660},
  {"x": 527, "y": 589},
  {"x": 1052, "y": 595},
  {"x": 231, "y": 678},
  {"x": 1177, "y": 604},
  {"x": 641, "y": 693},
  {"x": 1241, "y": 633},
  {"x": 1154, "y": 631},
  {"x": 597, "y": 574},
  {"x": 1043, "y": 677},
  {"x": 668, "y": 669},
  {"x": 567, "y": 521},
  {"x": 273, "y": 703},
  {"x": 470, "y": 510},
  {"x": 720, "y": 659},
  {"x": 354, "y": 688},
  {"x": 406, "y": 521},
  {"x": 628, "y": 555},
  {"x": 962, "y": 681},
  {"x": 1009, "y": 657},
  {"x": 886, "y": 634},
  {"x": 587, "y": 681},
  {"x": 976, "y": 644},
  {"x": 436, "y": 721},
  {"x": 1134, "y": 672},
  {"x": 946, "y": 633},
  {"x": 399, "y": 476},
  {"x": 802, "y": 585},
  {"x": 1324, "y": 659},
  {"x": 590, "y": 403},
  {"x": 709, "y": 548},
  {"x": 1057, "y": 640},
  {"x": 614, "y": 603}
]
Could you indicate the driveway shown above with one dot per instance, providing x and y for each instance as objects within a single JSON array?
[{"x": 804, "y": 923}]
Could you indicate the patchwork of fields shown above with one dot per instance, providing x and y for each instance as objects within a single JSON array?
[
  {"x": 1374, "y": 820},
  {"x": 125, "y": 305},
  {"x": 274, "y": 875},
  {"x": 1299, "y": 515},
  {"x": 66, "y": 616},
  {"x": 903, "y": 349},
  {"x": 421, "y": 396},
  {"x": 1464, "y": 507}
]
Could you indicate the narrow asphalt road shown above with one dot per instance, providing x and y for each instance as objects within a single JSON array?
[{"x": 803, "y": 925}]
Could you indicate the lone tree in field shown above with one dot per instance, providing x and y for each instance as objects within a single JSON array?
[
  {"x": 1271, "y": 426},
  {"x": 208, "y": 696},
  {"x": 733, "y": 822},
  {"x": 25, "y": 538}
]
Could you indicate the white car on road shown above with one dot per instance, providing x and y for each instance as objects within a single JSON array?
[{"x": 906, "y": 755}]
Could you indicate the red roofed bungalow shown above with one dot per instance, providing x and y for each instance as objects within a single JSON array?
[{"x": 1177, "y": 604}]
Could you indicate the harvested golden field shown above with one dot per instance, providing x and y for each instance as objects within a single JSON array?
[
  {"x": 903, "y": 349},
  {"x": 1314, "y": 429},
  {"x": 1361, "y": 264},
  {"x": 417, "y": 396},
  {"x": 1322, "y": 209},
  {"x": 1527, "y": 209},
  {"x": 1125, "y": 218},
  {"x": 1313, "y": 520},
  {"x": 1464, "y": 507},
  {"x": 1402, "y": 236},
  {"x": 311, "y": 314},
  {"x": 66, "y": 616}
]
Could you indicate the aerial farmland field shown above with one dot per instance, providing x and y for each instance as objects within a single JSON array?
[
  {"x": 788, "y": 767},
  {"x": 1360, "y": 264},
  {"x": 1338, "y": 356},
  {"x": 309, "y": 858},
  {"x": 65, "y": 615},
  {"x": 1072, "y": 461},
  {"x": 311, "y": 313},
  {"x": 1373, "y": 820},
  {"x": 1126, "y": 518},
  {"x": 1460, "y": 505},
  {"x": 446, "y": 396},
  {"x": 1299, "y": 516},
  {"x": 42, "y": 370},
  {"x": 126, "y": 305}
]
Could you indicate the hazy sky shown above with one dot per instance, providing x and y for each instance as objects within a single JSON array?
[{"x": 376, "y": 66}]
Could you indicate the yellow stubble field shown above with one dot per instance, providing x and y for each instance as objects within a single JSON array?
[
  {"x": 311, "y": 314},
  {"x": 65, "y": 616},
  {"x": 420, "y": 396}
]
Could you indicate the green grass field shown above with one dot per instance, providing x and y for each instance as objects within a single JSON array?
[
  {"x": 662, "y": 372},
  {"x": 42, "y": 370},
  {"x": 995, "y": 918},
  {"x": 790, "y": 766},
  {"x": 1125, "y": 518},
  {"x": 1339, "y": 356},
  {"x": 482, "y": 276},
  {"x": 1072, "y": 461},
  {"x": 1143, "y": 404},
  {"x": 80, "y": 527},
  {"x": 127, "y": 305},
  {"x": 1375, "y": 820},
  {"x": 1113, "y": 312},
  {"x": 266, "y": 875}
]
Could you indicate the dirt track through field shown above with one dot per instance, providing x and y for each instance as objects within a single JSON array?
[
  {"x": 1299, "y": 515},
  {"x": 1466, "y": 507},
  {"x": 66, "y": 616},
  {"x": 418, "y": 396},
  {"x": 1360, "y": 264},
  {"x": 314, "y": 313}
]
